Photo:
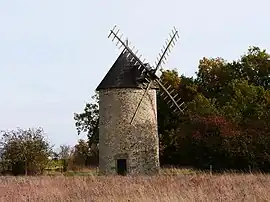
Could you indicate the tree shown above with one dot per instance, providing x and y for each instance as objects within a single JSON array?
[
  {"x": 83, "y": 155},
  {"x": 212, "y": 76},
  {"x": 215, "y": 74},
  {"x": 25, "y": 151},
  {"x": 247, "y": 102},
  {"x": 256, "y": 67},
  {"x": 87, "y": 121},
  {"x": 64, "y": 155},
  {"x": 65, "y": 152}
]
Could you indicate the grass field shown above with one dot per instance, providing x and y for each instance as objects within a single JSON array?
[{"x": 174, "y": 185}]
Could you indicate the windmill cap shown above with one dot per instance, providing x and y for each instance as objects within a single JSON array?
[{"x": 122, "y": 74}]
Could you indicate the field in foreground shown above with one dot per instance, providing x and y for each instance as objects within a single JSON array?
[{"x": 192, "y": 187}]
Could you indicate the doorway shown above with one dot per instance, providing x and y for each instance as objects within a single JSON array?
[{"x": 121, "y": 166}]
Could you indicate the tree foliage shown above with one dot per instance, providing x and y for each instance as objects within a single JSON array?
[
  {"x": 64, "y": 156},
  {"x": 228, "y": 124},
  {"x": 25, "y": 151},
  {"x": 83, "y": 155},
  {"x": 87, "y": 121}
]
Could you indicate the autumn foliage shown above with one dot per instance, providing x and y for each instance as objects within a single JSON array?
[{"x": 226, "y": 124}]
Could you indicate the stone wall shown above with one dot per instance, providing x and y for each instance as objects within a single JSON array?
[{"x": 138, "y": 143}]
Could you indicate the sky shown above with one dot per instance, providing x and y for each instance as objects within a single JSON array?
[{"x": 54, "y": 53}]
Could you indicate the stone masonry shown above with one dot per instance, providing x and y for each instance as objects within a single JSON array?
[{"x": 138, "y": 143}]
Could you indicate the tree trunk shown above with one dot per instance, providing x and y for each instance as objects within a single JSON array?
[{"x": 25, "y": 167}]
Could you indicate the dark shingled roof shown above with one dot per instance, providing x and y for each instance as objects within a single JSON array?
[{"x": 121, "y": 75}]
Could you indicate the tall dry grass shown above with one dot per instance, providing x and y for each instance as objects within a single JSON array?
[{"x": 192, "y": 187}]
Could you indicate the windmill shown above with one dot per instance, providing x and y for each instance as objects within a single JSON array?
[{"x": 128, "y": 132}]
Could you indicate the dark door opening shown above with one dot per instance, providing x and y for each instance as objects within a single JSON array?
[{"x": 121, "y": 166}]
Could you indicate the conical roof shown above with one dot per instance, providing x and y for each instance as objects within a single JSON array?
[{"x": 121, "y": 75}]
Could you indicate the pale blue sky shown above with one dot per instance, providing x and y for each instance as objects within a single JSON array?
[{"x": 53, "y": 53}]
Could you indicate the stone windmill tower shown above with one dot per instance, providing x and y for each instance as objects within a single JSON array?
[{"x": 128, "y": 131}]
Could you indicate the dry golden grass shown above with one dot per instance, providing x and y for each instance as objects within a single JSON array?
[{"x": 166, "y": 187}]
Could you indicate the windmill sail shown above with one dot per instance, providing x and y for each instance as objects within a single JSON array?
[
  {"x": 130, "y": 51},
  {"x": 173, "y": 100},
  {"x": 150, "y": 74},
  {"x": 165, "y": 51}
]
